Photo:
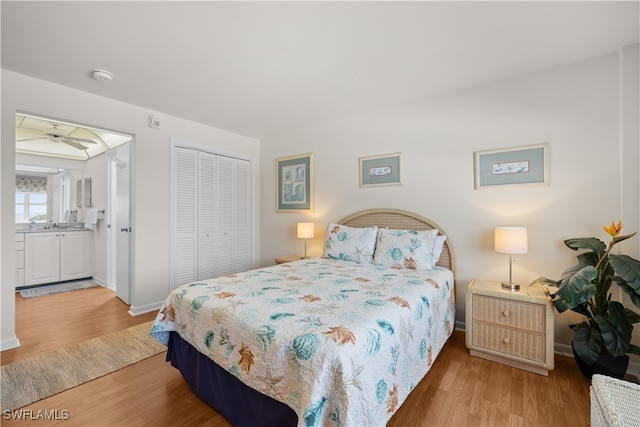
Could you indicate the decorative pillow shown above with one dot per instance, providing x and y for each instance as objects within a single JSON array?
[
  {"x": 405, "y": 248},
  {"x": 437, "y": 248},
  {"x": 350, "y": 243}
]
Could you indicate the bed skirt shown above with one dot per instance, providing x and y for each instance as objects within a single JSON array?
[{"x": 239, "y": 404}]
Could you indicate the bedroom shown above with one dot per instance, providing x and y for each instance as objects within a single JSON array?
[{"x": 574, "y": 105}]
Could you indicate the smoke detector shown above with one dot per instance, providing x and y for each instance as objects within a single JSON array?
[{"x": 102, "y": 75}]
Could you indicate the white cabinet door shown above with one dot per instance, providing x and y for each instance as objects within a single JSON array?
[
  {"x": 76, "y": 255},
  {"x": 42, "y": 258}
]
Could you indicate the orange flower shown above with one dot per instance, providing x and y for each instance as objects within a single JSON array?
[{"x": 614, "y": 229}]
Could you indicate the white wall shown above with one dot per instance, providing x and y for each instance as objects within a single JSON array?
[
  {"x": 150, "y": 181},
  {"x": 575, "y": 109}
]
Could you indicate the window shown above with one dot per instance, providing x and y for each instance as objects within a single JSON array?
[{"x": 31, "y": 199}]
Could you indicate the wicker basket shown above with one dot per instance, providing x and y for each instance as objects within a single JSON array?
[{"x": 614, "y": 402}]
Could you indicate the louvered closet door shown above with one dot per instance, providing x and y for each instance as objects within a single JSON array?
[
  {"x": 206, "y": 215},
  {"x": 232, "y": 253},
  {"x": 185, "y": 215},
  {"x": 212, "y": 215}
]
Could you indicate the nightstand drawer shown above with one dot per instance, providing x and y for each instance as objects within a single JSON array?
[
  {"x": 509, "y": 341},
  {"x": 516, "y": 314}
]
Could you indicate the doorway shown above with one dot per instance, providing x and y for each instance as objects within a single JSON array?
[{"x": 85, "y": 153}]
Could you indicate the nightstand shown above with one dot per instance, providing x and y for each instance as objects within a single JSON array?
[
  {"x": 288, "y": 258},
  {"x": 510, "y": 327}
]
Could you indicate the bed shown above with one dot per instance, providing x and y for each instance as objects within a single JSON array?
[{"x": 337, "y": 340}]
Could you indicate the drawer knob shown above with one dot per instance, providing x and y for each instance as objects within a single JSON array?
[
  {"x": 506, "y": 341},
  {"x": 506, "y": 313}
]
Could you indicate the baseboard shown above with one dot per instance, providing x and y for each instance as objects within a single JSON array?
[
  {"x": 135, "y": 311},
  {"x": 10, "y": 343}
]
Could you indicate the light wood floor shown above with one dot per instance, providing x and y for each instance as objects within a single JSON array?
[{"x": 460, "y": 390}]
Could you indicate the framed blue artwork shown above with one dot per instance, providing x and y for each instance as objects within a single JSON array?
[
  {"x": 295, "y": 183},
  {"x": 527, "y": 165}
]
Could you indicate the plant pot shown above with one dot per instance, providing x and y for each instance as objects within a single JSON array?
[{"x": 605, "y": 364}]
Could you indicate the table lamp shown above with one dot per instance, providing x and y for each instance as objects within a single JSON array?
[
  {"x": 511, "y": 240},
  {"x": 305, "y": 231}
]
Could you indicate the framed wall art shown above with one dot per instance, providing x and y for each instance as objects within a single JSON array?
[
  {"x": 380, "y": 170},
  {"x": 521, "y": 166},
  {"x": 294, "y": 175}
]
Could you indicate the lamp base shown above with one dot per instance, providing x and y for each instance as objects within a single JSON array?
[{"x": 512, "y": 286}]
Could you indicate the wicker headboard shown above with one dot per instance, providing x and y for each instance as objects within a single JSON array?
[{"x": 403, "y": 220}]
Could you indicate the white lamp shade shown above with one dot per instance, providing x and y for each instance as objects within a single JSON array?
[
  {"x": 511, "y": 240},
  {"x": 305, "y": 230}
]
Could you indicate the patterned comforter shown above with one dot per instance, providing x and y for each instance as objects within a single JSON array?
[{"x": 342, "y": 343}]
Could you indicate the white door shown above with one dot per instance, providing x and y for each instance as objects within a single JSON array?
[
  {"x": 184, "y": 244},
  {"x": 119, "y": 223}
]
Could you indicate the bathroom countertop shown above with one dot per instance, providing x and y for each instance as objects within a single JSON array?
[{"x": 43, "y": 230}]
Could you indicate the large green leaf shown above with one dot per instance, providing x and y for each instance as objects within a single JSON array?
[
  {"x": 615, "y": 329},
  {"x": 587, "y": 343},
  {"x": 632, "y": 316},
  {"x": 628, "y": 268},
  {"x": 588, "y": 258},
  {"x": 633, "y": 295},
  {"x": 589, "y": 243},
  {"x": 575, "y": 289}
]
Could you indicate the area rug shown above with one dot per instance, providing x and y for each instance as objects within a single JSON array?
[
  {"x": 38, "y": 377},
  {"x": 57, "y": 288}
]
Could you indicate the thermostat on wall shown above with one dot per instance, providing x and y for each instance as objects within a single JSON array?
[{"x": 154, "y": 121}]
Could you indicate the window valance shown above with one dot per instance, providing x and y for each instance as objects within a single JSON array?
[{"x": 31, "y": 184}]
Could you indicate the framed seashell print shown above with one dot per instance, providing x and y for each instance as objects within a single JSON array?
[
  {"x": 380, "y": 170},
  {"x": 294, "y": 183},
  {"x": 527, "y": 165}
]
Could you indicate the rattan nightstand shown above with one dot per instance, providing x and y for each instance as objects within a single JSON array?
[
  {"x": 510, "y": 327},
  {"x": 287, "y": 258}
]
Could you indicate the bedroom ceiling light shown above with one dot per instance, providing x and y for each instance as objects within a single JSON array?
[
  {"x": 511, "y": 240},
  {"x": 305, "y": 231}
]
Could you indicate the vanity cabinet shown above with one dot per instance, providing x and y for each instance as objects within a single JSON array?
[
  {"x": 57, "y": 256},
  {"x": 19, "y": 281}
]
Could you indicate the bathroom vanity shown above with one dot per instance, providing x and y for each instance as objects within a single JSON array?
[{"x": 55, "y": 255}]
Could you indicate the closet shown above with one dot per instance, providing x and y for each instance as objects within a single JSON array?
[{"x": 211, "y": 215}]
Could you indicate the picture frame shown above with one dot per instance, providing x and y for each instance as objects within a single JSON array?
[
  {"x": 381, "y": 170},
  {"x": 520, "y": 166},
  {"x": 294, "y": 183}
]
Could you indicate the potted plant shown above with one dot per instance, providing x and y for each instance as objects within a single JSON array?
[{"x": 585, "y": 288}]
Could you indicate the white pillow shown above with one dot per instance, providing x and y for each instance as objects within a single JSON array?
[
  {"x": 405, "y": 248},
  {"x": 437, "y": 248},
  {"x": 350, "y": 243}
]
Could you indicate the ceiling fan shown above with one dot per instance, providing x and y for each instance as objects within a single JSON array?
[{"x": 57, "y": 135}]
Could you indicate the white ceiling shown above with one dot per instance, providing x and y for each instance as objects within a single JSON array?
[{"x": 259, "y": 68}]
